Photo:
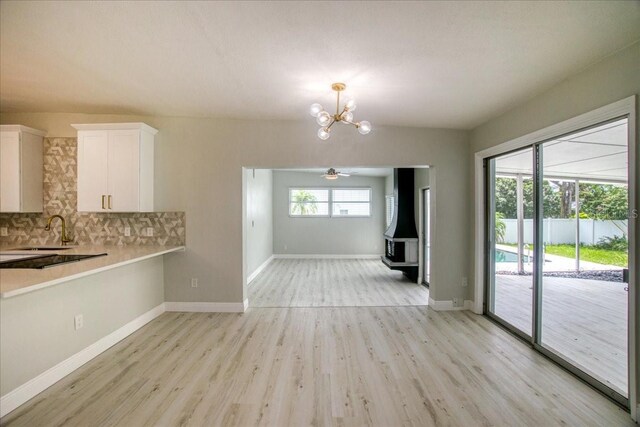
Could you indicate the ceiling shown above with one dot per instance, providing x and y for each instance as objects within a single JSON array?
[
  {"x": 598, "y": 154},
  {"x": 427, "y": 64}
]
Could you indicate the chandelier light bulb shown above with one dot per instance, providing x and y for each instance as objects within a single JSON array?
[
  {"x": 315, "y": 109},
  {"x": 347, "y": 117},
  {"x": 351, "y": 105},
  {"x": 342, "y": 115},
  {"x": 323, "y": 118},
  {"x": 324, "y": 133},
  {"x": 364, "y": 127}
]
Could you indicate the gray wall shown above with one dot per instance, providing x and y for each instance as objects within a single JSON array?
[
  {"x": 615, "y": 77},
  {"x": 37, "y": 328},
  {"x": 388, "y": 185},
  {"x": 198, "y": 169},
  {"x": 294, "y": 235},
  {"x": 259, "y": 217}
]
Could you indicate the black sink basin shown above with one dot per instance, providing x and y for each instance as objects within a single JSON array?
[{"x": 46, "y": 261}]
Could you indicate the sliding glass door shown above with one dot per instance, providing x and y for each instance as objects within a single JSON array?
[
  {"x": 557, "y": 227},
  {"x": 510, "y": 239}
]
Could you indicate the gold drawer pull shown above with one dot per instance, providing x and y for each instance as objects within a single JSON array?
[
  {"x": 109, "y": 201},
  {"x": 103, "y": 202}
]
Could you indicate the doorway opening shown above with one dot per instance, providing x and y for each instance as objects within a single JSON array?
[{"x": 317, "y": 237}]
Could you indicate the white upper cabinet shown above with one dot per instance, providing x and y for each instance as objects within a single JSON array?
[
  {"x": 115, "y": 167},
  {"x": 21, "y": 169}
]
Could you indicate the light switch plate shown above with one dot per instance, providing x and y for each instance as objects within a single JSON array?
[
  {"x": 127, "y": 231},
  {"x": 4, "y": 231},
  {"x": 149, "y": 231}
]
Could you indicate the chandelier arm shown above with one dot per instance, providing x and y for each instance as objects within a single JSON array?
[
  {"x": 351, "y": 123},
  {"x": 338, "y": 103},
  {"x": 331, "y": 124}
]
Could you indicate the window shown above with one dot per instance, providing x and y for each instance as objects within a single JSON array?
[
  {"x": 309, "y": 202},
  {"x": 351, "y": 202},
  {"x": 334, "y": 202},
  {"x": 389, "y": 203}
]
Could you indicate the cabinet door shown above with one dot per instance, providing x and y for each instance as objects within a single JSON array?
[
  {"x": 124, "y": 170},
  {"x": 9, "y": 172},
  {"x": 92, "y": 170}
]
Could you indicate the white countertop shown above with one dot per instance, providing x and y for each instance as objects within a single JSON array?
[{"x": 15, "y": 282}]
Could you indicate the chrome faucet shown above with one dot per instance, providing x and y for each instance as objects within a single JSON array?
[{"x": 64, "y": 239}]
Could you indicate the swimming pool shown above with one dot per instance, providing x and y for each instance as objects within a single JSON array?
[{"x": 505, "y": 256}]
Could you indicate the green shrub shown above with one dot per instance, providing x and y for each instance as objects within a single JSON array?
[{"x": 615, "y": 243}]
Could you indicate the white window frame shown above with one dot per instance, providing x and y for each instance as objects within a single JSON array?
[{"x": 329, "y": 202}]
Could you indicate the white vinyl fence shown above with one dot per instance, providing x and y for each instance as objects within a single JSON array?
[{"x": 558, "y": 231}]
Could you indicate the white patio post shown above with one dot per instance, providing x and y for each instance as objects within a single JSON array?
[
  {"x": 520, "y": 221},
  {"x": 577, "y": 225}
]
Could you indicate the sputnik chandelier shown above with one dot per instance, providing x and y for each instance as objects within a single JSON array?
[{"x": 345, "y": 116}]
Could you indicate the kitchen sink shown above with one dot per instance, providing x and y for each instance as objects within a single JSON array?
[{"x": 45, "y": 261}]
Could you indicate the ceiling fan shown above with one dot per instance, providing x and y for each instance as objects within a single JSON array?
[{"x": 331, "y": 173}]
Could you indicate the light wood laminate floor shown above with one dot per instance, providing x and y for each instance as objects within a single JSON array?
[
  {"x": 582, "y": 320},
  {"x": 383, "y": 366},
  {"x": 333, "y": 283}
]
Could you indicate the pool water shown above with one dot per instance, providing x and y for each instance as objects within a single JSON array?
[{"x": 504, "y": 256}]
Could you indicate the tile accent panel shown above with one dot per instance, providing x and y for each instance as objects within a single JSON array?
[{"x": 61, "y": 197}]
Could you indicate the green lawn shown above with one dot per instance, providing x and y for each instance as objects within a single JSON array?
[{"x": 587, "y": 253}]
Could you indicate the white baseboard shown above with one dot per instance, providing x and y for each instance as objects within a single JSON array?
[
  {"x": 327, "y": 256},
  {"x": 447, "y": 305},
  {"x": 208, "y": 307},
  {"x": 259, "y": 269},
  {"x": 34, "y": 386}
]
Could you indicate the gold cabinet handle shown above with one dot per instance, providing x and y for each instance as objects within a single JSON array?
[
  {"x": 103, "y": 202},
  {"x": 109, "y": 201}
]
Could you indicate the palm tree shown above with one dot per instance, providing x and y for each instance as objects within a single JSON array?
[
  {"x": 501, "y": 227},
  {"x": 304, "y": 203}
]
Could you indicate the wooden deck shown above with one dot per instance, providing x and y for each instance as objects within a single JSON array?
[{"x": 583, "y": 320}]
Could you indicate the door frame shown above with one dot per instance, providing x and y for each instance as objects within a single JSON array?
[
  {"x": 623, "y": 108},
  {"x": 421, "y": 232}
]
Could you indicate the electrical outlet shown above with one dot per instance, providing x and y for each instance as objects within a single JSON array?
[
  {"x": 149, "y": 231},
  {"x": 465, "y": 282},
  {"x": 4, "y": 231},
  {"x": 456, "y": 302},
  {"x": 194, "y": 282},
  {"x": 78, "y": 321},
  {"x": 127, "y": 231}
]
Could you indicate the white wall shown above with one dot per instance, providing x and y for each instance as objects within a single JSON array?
[
  {"x": 259, "y": 217},
  {"x": 333, "y": 236}
]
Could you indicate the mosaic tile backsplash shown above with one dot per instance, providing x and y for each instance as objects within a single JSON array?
[{"x": 60, "y": 197}]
